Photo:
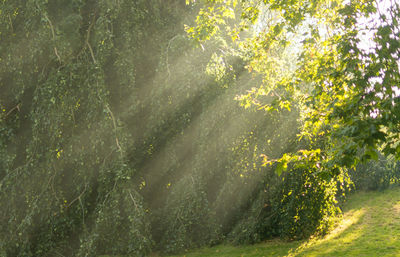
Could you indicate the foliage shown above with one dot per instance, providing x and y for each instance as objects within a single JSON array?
[
  {"x": 111, "y": 123},
  {"x": 64, "y": 176},
  {"x": 120, "y": 217},
  {"x": 300, "y": 205},
  {"x": 348, "y": 89},
  {"x": 376, "y": 175},
  {"x": 187, "y": 219}
]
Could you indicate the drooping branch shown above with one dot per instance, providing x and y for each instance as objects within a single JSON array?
[
  {"x": 167, "y": 53},
  {"x": 53, "y": 35},
  {"x": 77, "y": 198},
  {"x": 87, "y": 40},
  {"x": 133, "y": 200},
  {"x": 11, "y": 24},
  {"x": 115, "y": 129},
  {"x": 17, "y": 107}
]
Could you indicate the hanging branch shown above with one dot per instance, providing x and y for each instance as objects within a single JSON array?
[
  {"x": 52, "y": 183},
  {"x": 77, "y": 198},
  {"x": 11, "y": 24},
  {"x": 54, "y": 36},
  {"x": 167, "y": 53},
  {"x": 87, "y": 40},
  {"x": 17, "y": 107},
  {"x": 133, "y": 200},
  {"x": 109, "y": 192},
  {"x": 115, "y": 129}
]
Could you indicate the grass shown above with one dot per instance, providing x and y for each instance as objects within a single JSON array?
[{"x": 370, "y": 226}]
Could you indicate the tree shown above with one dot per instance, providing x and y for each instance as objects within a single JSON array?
[{"x": 346, "y": 78}]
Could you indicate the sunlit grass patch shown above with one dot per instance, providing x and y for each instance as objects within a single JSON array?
[{"x": 370, "y": 226}]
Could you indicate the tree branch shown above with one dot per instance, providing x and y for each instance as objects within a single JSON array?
[
  {"x": 11, "y": 24},
  {"x": 115, "y": 129},
  {"x": 87, "y": 40},
  {"x": 133, "y": 200},
  {"x": 77, "y": 198},
  {"x": 13, "y": 109},
  {"x": 54, "y": 36}
]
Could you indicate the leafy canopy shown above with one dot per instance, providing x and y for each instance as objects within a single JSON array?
[{"x": 346, "y": 78}]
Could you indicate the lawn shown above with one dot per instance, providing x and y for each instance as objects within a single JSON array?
[{"x": 370, "y": 226}]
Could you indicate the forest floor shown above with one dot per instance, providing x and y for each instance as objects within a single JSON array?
[{"x": 370, "y": 226}]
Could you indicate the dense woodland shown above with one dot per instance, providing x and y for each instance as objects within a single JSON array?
[{"x": 132, "y": 127}]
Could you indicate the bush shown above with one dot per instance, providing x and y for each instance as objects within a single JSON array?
[{"x": 294, "y": 206}]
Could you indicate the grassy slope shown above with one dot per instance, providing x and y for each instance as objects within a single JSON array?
[{"x": 370, "y": 227}]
